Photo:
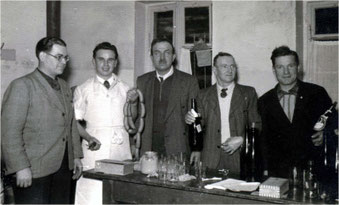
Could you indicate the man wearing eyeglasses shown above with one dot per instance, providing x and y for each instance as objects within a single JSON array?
[
  {"x": 289, "y": 112},
  {"x": 39, "y": 139},
  {"x": 225, "y": 109}
]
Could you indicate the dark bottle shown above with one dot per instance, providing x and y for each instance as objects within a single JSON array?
[
  {"x": 249, "y": 159},
  {"x": 253, "y": 155},
  {"x": 195, "y": 130}
]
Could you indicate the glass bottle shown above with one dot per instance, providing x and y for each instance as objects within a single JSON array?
[
  {"x": 310, "y": 182},
  {"x": 195, "y": 130}
]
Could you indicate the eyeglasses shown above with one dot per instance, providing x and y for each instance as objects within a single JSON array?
[
  {"x": 232, "y": 66},
  {"x": 59, "y": 57}
]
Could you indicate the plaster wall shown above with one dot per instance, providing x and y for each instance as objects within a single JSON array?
[
  {"x": 86, "y": 24},
  {"x": 250, "y": 30},
  {"x": 23, "y": 24}
]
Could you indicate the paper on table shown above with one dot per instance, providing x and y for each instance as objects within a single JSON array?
[{"x": 234, "y": 185}]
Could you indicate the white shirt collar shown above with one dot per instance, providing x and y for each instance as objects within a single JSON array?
[
  {"x": 111, "y": 80},
  {"x": 230, "y": 87},
  {"x": 167, "y": 75}
]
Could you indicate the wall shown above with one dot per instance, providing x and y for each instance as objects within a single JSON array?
[
  {"x": 85, "y": 24},
  {"x": 250, "y": 31},
  {"x": 23, "y": 24}
]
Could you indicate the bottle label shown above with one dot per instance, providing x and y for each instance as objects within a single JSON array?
[{"x": 198, "y": 127}]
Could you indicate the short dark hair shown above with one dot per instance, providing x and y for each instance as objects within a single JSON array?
[
  {"x": 283, "y": 51},
  {"x": 46, "y": 44},
  {"x": 106, "y": 46},
  {"x": 220, "y": 54},
  {"x": 158, "y": 40}
]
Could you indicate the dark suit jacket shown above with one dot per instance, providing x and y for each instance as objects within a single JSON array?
[
  {"x": 288, "y": 144},
  {"x": 35, "y": 125},
  {"x": 184, "y": 88},
  {"x": 244, "y": 100}
]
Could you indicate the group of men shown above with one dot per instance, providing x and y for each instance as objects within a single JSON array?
[{"x": 41, "y": 134}]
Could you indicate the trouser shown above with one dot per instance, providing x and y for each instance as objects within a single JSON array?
[{"x": 52, "y": 189}]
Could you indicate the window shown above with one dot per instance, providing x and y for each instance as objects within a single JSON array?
[
  {"x": 324, "y": 21},
  {"x": 197, "y": 24},
  {"x": 163, "y": 25}
]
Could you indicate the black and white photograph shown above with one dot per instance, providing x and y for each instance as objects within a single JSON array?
[{"x": 169, "y": 102}]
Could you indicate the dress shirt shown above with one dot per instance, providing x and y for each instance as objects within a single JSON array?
[
  {"x": 112, "y": 80},
  {"x": 287, "y": 100},
  {"x": 225, "y": 105},
  {"x": 167, "y": 75}
]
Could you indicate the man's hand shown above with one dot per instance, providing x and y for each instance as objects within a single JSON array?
[
  {"x": 317, "y": 138},
  {"x": 77, "y": 169},
  {"x": 94, "y": 144},
  {"x": 232, "y": 144},
  {"x": 195, "y": 157},
  {"x": 189, "y": 118},
  {"x": 24, "y": 177},
  {"x": 132, "y": 96}
]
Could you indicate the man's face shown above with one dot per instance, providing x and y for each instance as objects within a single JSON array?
[
  {"x": 162, "y": 57},
  {"x": 105, "y": 61},
  {"x": 54, "y": 66},
  {"x": 286, "y": 70},
  {"x": 225, "y": 69}
]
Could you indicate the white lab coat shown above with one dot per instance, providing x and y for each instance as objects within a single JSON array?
[{"x": 102, "y": 109}]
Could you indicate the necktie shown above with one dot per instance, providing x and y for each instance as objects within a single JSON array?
[
  {"x": 282, "y": 93},
  {"x": 161, "y": 79},
  {"x": 106, "y": 84},
  {"x": 223, "y": 93}
]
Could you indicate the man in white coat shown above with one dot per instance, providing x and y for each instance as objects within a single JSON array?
[{"x": 99, "y": 102}]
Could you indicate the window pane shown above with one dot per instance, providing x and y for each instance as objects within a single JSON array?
[
  {"x": 197, "y": 24},
  {"x": 163, "y": 25},
  {"x": 326, "y": 20}
]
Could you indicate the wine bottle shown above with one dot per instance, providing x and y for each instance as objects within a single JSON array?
[
  {"x": 249, "y": 158},
  {"x": 321, "y": 123},
  {"x": 244, "y": 151},
  {"x": 252, "y": 155},
  {"x": 195, "y": 130}
]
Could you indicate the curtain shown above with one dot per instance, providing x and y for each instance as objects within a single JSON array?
[{"x": 322, "y": 66}]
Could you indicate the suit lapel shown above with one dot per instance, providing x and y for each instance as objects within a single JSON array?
[
  {"x": 213, "y": 104},
  {"x": 299, "y": 101},
  {"x": 66, "y": 96},
  {"x": 213, "y": 101},
  {"x": 174, "y": 94},
  {"x": 237, "y": 99},
  {"x": 277, "y": 110},
  {"x": 149, "y": 85},
  {"x": 48, "y": 91}
]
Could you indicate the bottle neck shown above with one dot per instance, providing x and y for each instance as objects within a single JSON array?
[{"x": 193, "y": 104}]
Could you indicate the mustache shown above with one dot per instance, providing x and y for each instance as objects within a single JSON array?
[{"x": 162, "y": 61}]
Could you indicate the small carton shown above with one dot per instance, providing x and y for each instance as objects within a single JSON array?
[{"x": 109, "y": 166}]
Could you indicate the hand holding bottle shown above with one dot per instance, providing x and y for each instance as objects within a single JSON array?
[{"x": 190, "y": 116}]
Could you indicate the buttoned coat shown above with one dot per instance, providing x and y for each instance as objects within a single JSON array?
[
  {"x": 184, "y": 88},
  {"x": 289, "y": 143},
  {"x": 35, "y": 126},
  {"x": 243, "y": 106}
]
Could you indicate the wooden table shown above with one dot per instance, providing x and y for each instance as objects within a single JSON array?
[{"x": 137, "y": 188}]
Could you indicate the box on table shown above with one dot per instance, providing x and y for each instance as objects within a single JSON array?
[
  {"x": 109, "y": 166},
  {"x": 274, "y": 187}
]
